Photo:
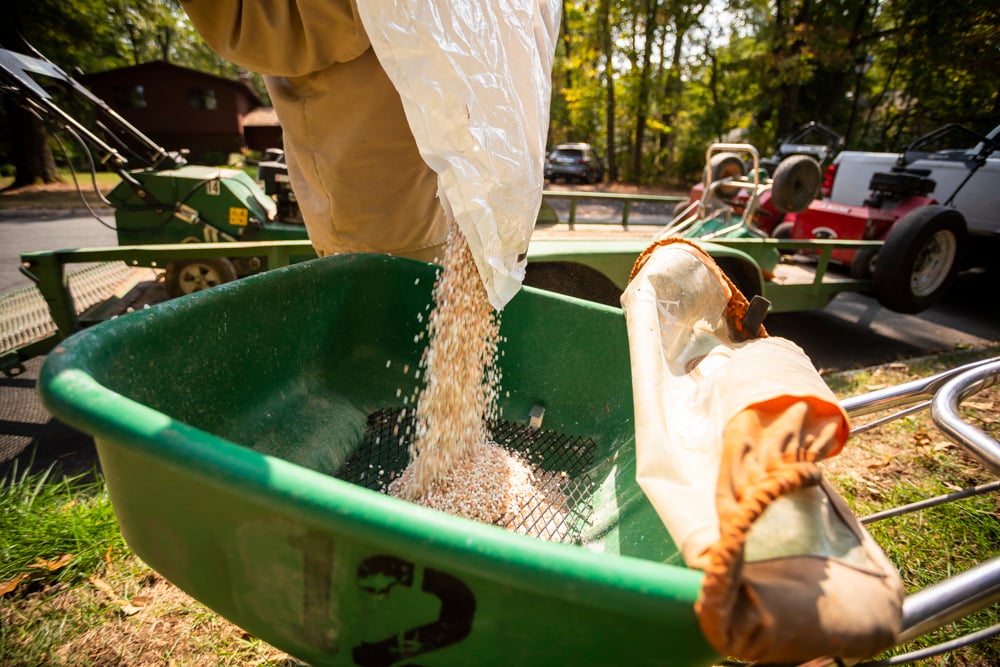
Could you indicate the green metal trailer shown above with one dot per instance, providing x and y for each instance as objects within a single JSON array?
[
  {"x": 595, "y": 269},
  {"x": 206, "y": 226}
]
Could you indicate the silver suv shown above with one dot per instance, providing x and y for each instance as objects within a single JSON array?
[{"x": 573, "y": 162}]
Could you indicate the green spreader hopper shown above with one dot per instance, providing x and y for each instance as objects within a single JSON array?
[{"x": 247, "y": 433}]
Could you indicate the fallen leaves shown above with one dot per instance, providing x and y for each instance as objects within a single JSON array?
[
  {"x": 41, "y": 567},
  {"x": 128, "y": 607},
  {"x": 36, "y": 570},
  {"x": 887, "y": 459}
]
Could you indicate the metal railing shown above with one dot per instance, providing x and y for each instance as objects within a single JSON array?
[
  {"x": 978, "y": 587},
  {"x": 627, "y": 202}
]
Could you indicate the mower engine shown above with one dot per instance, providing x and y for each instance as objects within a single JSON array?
[
  {"x": 198, "y": 204},
  {"x": 893, "y": 195},
  {"x": 273, "y": 173},
  {"x": 193, "y": 204}
]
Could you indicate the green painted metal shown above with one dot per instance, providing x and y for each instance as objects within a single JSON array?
[
  {"x": 47, "y": 269},
  {"x": 613, "y": 258},
  {"x": 196, "y": 204},
  {"x": 221, "y": 418},
  {"x": 813, "y": 289},
  {"x": 812, "y": 293}
]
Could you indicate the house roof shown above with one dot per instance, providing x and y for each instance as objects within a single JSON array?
[
  {"x": 261, "y": 117},
  {"x": 152, "y": 67}
]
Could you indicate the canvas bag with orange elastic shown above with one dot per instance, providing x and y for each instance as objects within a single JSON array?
[{"x": 730, "y": 425}]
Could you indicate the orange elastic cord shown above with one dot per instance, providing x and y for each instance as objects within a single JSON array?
[
  {"x": 718, "y": 588},
  {"x": 737, "y": 306},
  {"x": 660, "y": 243}
]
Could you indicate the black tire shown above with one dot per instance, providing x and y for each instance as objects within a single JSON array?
[
  {"x": 726, "y": 165},
  {"x": 743, "y": 275},
  {"x": 919, "y": 259},
  {"x": 863, "y": 264},
  {"x": 187, "y": 276},
  {"x": 573, "y": 279},
  {"x": 796, "y": 183},
  {"x": 783, "y": 231},
  {"x": 769, "y": 165}
]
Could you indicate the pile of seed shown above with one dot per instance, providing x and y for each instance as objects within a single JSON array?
[
  {"x": 453, "y": 465},
  {"x": 487, "y": 484}
]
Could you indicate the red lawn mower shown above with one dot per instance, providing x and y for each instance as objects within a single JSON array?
[
  {"x": 795, "y": 177},
  {"x": 923, "y": 240},
  {"x": 894, "y": 197}
]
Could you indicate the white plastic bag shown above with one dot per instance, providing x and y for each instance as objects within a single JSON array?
[{"x": 475, "y": 80}]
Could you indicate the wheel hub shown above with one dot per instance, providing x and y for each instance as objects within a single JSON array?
[
  {"x": 196, "y": 277},
  {"x": 932, "y": 265}
]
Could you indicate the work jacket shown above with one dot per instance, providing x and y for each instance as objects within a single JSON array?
[{"x": 353, "y": 163}]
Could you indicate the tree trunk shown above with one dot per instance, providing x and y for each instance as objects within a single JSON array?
[
  {"x": 29, "y": 145},
  {"x": 164, "y": 38},
  {"x": 32, "y": 155},
  {"x": 685, "y": 15},
  {"x": 604, "y": 28},
  {"x": 642, "y": 103}
]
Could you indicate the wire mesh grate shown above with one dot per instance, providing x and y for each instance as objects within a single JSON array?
[
  {"x": 560, "y": 463},
  {"x": 24, "y": 313}
]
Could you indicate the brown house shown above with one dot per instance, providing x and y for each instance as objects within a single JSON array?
[
  {"x": 181, "y": 108},
  {"x": 261, "y": 129}
]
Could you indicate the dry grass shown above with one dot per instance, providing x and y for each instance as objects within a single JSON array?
[
  {"x": 132, "y": 617},
  {"x": 122, "y": 613},
  {"x": 900, "y": 453}
]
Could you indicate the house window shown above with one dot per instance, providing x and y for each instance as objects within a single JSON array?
[
  {"x": 130, "y": 97},
  {"x": 202, "y": 99}
]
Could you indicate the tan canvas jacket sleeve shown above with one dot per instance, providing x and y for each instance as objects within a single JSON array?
[
  {"x": 358, "y": 176},
  {"x": 280, "y": 37}
]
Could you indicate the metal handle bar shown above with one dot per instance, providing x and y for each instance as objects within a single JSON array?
[
  {"x": 905, "y": 394},
  {"x": 944, "y": 412},
  {"x": 978, "y": 587}
]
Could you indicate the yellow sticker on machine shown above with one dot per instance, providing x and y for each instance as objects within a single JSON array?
[{"x": 238, "y": 217}]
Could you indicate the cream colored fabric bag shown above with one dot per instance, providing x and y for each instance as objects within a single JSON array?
[{"x": 729, "y": 426}]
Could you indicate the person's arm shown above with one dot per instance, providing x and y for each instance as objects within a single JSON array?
[{"x": 280, "y": 37}]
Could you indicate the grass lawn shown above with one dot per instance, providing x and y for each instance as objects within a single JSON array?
[{"x": 56, "y": 196}]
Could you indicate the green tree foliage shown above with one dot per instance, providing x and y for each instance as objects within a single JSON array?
[
  {"x": 650, "y": 83},
  {"x": 671, "y": 76},
  {"x": 940, "y": 64},
  {"x": 578, "y": 80},
  {"x": 97, "y": 35},
  {"x": 86, "y": 36}
]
